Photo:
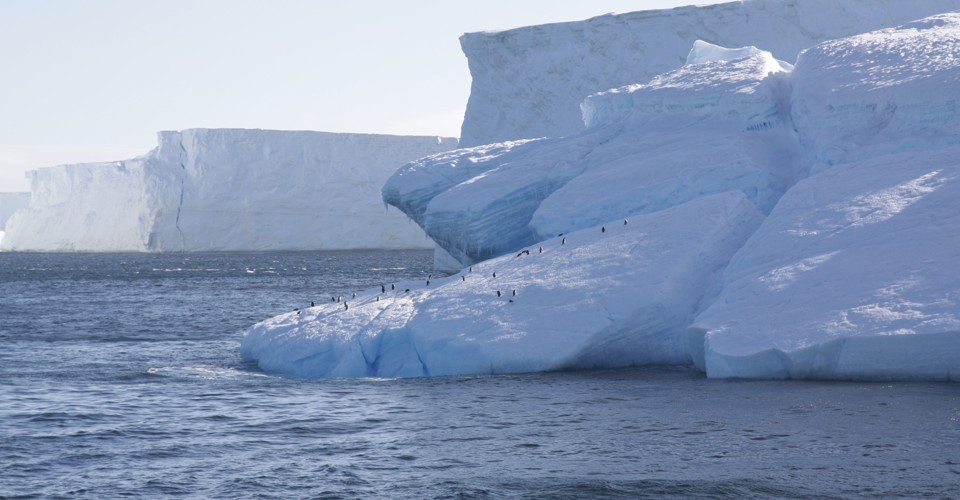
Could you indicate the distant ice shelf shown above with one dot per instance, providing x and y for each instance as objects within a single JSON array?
[{"x": 226, "y": 189}]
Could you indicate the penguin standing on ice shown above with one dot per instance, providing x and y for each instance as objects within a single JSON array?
[
  {"x": 624, "y": 222},
  {"x": 383, "y": 289},
  {"x": 338, "y": 298},
  {"x": 463, "y": 278},
  {"x": 541, "y": 249},
  {"x": 354, "y": 295},
  {"x": 563, "y": 241},
  {"x": 311, "y": 304},
  {"x": 428, "y": 282},
  {"x": 494, "y": 274},
  {"x": 345, "y": 306},
  {"x": 514, "y": 292},
  {"x": 498, "y": 293},
  {"x": 603, "y": 229},
  {"x": 378, "y": 298},
  {"x": 392, "y": 286}
]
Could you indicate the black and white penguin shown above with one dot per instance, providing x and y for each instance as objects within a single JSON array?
[
  {"x": 541, "y": 249},
  {"x": 338, "y": 298},
  {"x": 498, "y": 293},
  {"x": 383, "y": 289},
  {"x": 624, "y": 222},
  {"x": 563, "y": 241},
  {"x": 345, "y": 306},
  {"x": 312, "y": 304},
  {"x": 354, "y": 295},
  {"x": 378, "y": 298},
  {"x": 603, "y": 229},
  {"x": 514, "y": 292},
  {"x": 463, "y": 278},
  {"x": 428, "y": 282},
  {"x": 494, "y": 274},
  {"x": 392, "y": 286}
]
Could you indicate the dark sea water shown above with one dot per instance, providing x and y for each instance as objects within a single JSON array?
[{"x": 120, "y": 376}]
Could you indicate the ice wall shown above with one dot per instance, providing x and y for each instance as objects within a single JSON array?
[
  {"x": 529, "y": 82},
  {"x": 10, "y": 203},
  {"x": 226, "y": 189}
]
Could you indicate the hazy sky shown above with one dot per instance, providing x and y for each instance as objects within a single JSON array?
[{"x": 94, "y": 80}]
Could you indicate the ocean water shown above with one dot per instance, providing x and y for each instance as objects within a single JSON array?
[{"x": 120, "y": 376}]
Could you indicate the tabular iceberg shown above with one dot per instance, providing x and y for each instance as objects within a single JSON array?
[
  {"x": 850, "y": 159},
  {"x": 226, "y": 189},
  {"x": 10, "y": 203},
  {"x": 529, "y": 82}
]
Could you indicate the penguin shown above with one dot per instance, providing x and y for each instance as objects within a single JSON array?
[
  {"x": 354, "y": 295},
  {"x": 514, "y": 292},
  {"x": 297, "y": 309},
  {"x": 383, "y": 289},
  {"x": 312, "y": 304},
  {"x": 603, "y": 229},
  {"x": 511, "y": 301},
  {"x": 624, "y": 222},
  {"x": 428, "y": 282},
  {"x": 378, "y": 298},
  {"x": 333, "y": 299},
  {"x": 471, "y": 269},
  {"x": 407, "y": 290},
  {"x": 498, "y": 293},
  {"x": 559, "y": 235},
  {"x": 345, "y": 306},
  {"x": 494, "y": 274},
  {"x": 563, "y": 241},
  {"x": 392, "y": 286},
  {"x": 541, "y": 249},
  {"x": 463, "y": 278},
  {"x": 338, "y": 298}
]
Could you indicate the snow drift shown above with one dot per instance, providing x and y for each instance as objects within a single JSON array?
[
  {"x": 226, "y": 189},
  {"x": 529, "y": 82},
  {"x": 850, "y": 159}
]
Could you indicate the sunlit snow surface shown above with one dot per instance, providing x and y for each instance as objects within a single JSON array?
[{"x": 855, "y": 273}]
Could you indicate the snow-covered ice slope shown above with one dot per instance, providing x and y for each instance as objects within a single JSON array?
[
  {"x": 607, "y": 296},
  {"x": 529, "y": 82},
  {"x": 856, "y": 273},
  {"x": 226, "y": 189},
  {"x": 702, "y": 129}
]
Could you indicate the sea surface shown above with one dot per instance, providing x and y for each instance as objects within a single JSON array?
[{"x": 120, "y": 376}]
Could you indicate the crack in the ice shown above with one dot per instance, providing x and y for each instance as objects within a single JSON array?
[{"x": 183, "y": 167}]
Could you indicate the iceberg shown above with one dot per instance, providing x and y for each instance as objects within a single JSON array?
[
  {"x": 10, "y": 203},
  {"x": 226, "y": 189},
  {"x": 609, "y": 296},
  {"x": 529, "y": 82},
  {"x": 756, "y": 219}
]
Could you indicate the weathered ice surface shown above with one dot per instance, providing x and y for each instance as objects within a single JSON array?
[
  {"x": 529, "y": 82},
  {"x": 226, "y": 189}
]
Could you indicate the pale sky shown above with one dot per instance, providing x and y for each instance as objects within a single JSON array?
[{"x": 94, "y": 80}]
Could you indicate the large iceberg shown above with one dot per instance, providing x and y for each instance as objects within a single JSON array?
[
  {"x": 529, "y": 82},
  {"x": 226, "y": 189},
  {"x": 851, "y": 160}
]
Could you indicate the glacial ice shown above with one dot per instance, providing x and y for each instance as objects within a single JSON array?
[
  {"x": 10, "y": 203},
  {"x": 592, "y": 298},
  {"x": 226, "y": 189},
  {"x": 850, "y": 160},
  {"x": 636, "y": 157},
  {"x": 529, "y": 82}
]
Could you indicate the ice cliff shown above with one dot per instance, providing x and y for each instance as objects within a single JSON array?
[
  {"x": 529, "y": 82},
  {"x": 750, "y": 217},
  {"x": 10, "y": 203},
  {"x": 226, "y": 189}
]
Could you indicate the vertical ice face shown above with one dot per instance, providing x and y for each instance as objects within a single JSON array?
[
  {"x": 227, "y": 189},
  {"x": 10, "y": 203},
  {"x": 529, "y": 82}
]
